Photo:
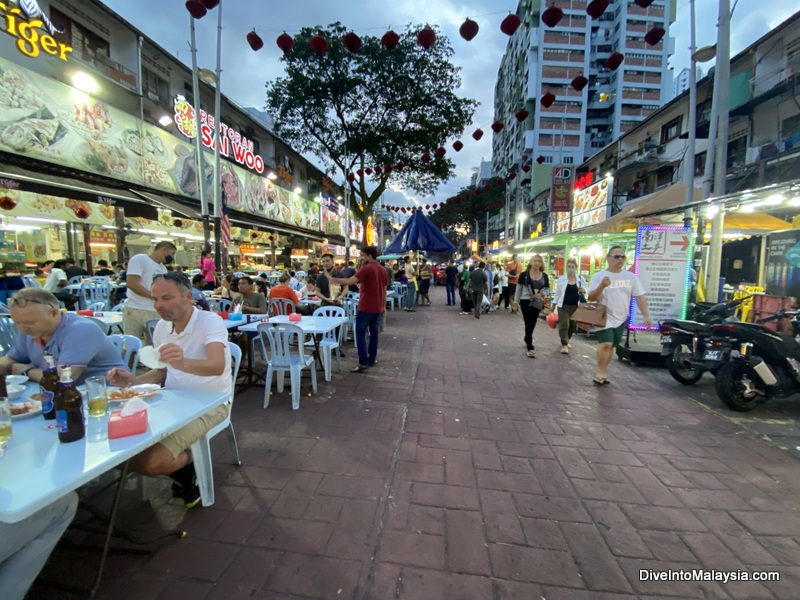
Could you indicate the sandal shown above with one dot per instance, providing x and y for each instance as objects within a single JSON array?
[
  {"x": 359, "y": 369},
  {"x": 531, "y": 354},
  {"x": 599, "y": 380}
]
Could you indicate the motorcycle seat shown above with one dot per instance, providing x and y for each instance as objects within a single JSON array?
[{"x": 690, "y": 326}]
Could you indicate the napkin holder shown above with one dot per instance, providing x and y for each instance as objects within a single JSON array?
[
  {"x": 85, "y": 313},
  {"x": 120, "y": 426},
  {"x": 295, "y": 317},
  {"x": 235, "y": 317}
]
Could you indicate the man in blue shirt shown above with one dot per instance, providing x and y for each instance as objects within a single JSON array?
[
  {"x": 450, "y": 276},
  {"x": 198, "y": 297},
  {"x": 44, "y": 329}
]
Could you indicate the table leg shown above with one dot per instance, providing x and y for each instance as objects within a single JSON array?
[{"x": 111, "y": 518}]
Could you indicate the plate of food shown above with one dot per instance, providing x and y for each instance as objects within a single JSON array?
[
  {"x": 26, "y": 409},
  {"x": 143, "y": 390}
]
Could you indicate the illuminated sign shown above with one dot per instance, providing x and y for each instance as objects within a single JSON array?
[
  {"x": 24, "y": 24},
  {"x": 584, "y": 181},
  {"x": 560, "y": 189},
  {"x": 370, "y": 233},
  {"x": 232, "y": 143}
]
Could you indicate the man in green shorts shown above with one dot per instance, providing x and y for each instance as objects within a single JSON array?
[{"x": 615, "y": 288}]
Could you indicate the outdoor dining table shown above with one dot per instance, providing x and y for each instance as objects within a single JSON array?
[
  {"x": 36, "y": 469},
  {"x": 76, "y": 287}
]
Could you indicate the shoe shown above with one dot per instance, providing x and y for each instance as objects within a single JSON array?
[
  {"x": 569, "y": 346},
  {"x": 477, "y": 316},
  {"x": 564, "y": 350},
  {"x": 359, "y": 369},
  {"x": 411, "y": 310},
  {"x": 182, "y": 479},
  {"x": 531, "y": 354},
  {"x": 191, "y": 497}
]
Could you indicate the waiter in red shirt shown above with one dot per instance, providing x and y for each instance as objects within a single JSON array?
[{"x": 373, "y": 282}]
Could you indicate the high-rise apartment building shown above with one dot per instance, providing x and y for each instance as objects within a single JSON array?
[{"x": 540, "y": 59}]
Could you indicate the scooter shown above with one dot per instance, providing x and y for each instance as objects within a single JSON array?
[
  {"x": 767, "y": 364},
  {"x": 686, "y": 344}
]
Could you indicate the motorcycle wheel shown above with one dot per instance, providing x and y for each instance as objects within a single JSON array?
[
  {"x": 731, "y": 387},
  {"x": 683, "y": 373}
]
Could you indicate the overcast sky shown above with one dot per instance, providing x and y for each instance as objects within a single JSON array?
[{"x": 245, "y": 72}]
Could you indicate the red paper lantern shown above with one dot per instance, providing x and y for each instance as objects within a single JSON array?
[
  {"x": 510, "y": 24},
  {"x": 614, "y": 61},
  {"x": 319, "y": 44},
  {"x": 7, "y": 203},
  {"x": 478, "y": 191},
  {"x": 477, "y": 134},
  {"x": 487, "y": 187},
  {"x": 390, "y": 40},
  {"x": 457, "y": 145},
  {"x": 579, "y": 82},
  {"x": 596, "y": 8},
  {"x": 425, "y": 158},
  {"x": 403, "y": 209},
  {"x": 196, "y": 9},
  {"x": 352, "y": 42},
  {"x": 368, "y": 171},
  {"x": 360, "y": 172},
  {"x": 255, "y": 41},
  {"x": 427, "y": 207},
  {"x": 426, "y": 38},
  {"x": 500, "y": 181},
  {"x": 211, "y": 227},
  {"x": 399, "y": 166},
  {"x": 467, "y": 196},
  {"x": 643, "y": 3},
  {"x": 254, "y": 235},
  {"x": 468, "y": 30},
  {"x": 551, "y": 16},
  {"x": 497, "y": 126},
  {"x": 548, "y": 99},
  {"x": 540, "y": 159},
  {"x": 351, "y": 177},
  {"x": 512, "y": 176},
  {"x": 210, "y": 4},
  {"x": 378, "y": 171},
  {"x": 387, "y": 169},
  {"x": 272, "y": 238},
  {"x": 285, "y": 42},
  {"x": 521, "y": 114},
  {"x": 526, "y": 168},
  {"x": 654, "y": 36},
  {"x": 440, "y": 151}
]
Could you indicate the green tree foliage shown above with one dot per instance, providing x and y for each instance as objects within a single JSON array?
[
  {"x": 372, "y": 108},
  {"x": 469, "y": 204}
]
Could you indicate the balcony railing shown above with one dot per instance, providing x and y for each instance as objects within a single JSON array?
[{"x": 107, "y": 67}]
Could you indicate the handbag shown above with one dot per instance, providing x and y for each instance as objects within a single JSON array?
[
  {"x": 591, "y": 313},
  {"x": 552, "y": 319}
]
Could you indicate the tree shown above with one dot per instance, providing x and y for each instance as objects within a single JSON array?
[
  {"x": 372, "y": 108},
  {"x": 469, "y": 204}
]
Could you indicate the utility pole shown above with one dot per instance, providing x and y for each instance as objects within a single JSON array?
[
  {"x": 217, "y": 172},
  {"x": 688, "y": 159},
  {"x": 721, "y": 84},
  {"x": 198, "y": 141}
]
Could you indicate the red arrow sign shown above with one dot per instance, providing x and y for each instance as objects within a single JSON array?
[{"x": 684, "y": 244}]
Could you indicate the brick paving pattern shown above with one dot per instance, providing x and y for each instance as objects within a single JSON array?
[{"x": 460, "y": 468}]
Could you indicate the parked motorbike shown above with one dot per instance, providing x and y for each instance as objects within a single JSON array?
[
  {"x": 686, "y": 344},
  {"x": 767, "y": 364}
]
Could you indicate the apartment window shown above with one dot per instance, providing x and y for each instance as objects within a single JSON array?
[
  {"x": 188, "y": 93},
  {"x": 671, "y": 130},
  {"x": 85, "y": 43},
  {"x": 567, "y": 160},
  {"x": 155, "y": 88},
  {"x": 700, "y": 164}
]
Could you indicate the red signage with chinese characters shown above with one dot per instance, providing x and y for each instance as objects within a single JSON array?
[
  {"x": 584, "y": 181},
  {"x": 561, "y": 189}
]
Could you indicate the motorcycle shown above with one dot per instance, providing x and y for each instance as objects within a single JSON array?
[
  {"x": 687, "y": 345},
  {"x": 767, "y": 364}
]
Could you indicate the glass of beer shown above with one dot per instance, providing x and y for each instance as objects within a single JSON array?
[
  {"x": 97, "y": 395},
  {"x": 6, "y": 434}
]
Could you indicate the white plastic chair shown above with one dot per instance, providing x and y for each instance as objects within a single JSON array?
[
  {"x": 97, "y": 306},
  {"x": 194, "y": 272},
  {"x": 284, "y": 357},
  {"x": 92, "y": 293},
  {"x": 350, "y": 309},
  {"x": 223, "y": 304},
  {"x": 331, "y": 341},
  {"x": 149, "y": 327},
  {"x": 239, "y": 274},
  {"x": 30, "y": 281},
  {"x": 128, "y": 347},
  {"x": 280, "y": 306},
  {"x": 201, "y": 449},
  {"x": 76, "y": 279},
  {"x": 119, "y": 307},
  {"x": 8, "y": 332}
]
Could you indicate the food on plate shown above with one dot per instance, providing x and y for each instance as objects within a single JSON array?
[
  {"x": 230, "y": 183},
  {"x": 47, "y": 204},
  {"x": 603, "y": 184},
  {"x": 23, "y": 408},
  {"x": 188, "y": 175},
  {"x": 33, "y": 133},
  {"x": 123, "y": 394},
  {"x": 256, "y": 197},
  {"x": 286, "y": 214},
  {"x": 107, "y": 211},
  {"x": 153, "y": 146},
  {"x": 40, "y": 251},
  {"x": 16, "y": 91},
  {"x": 104, "y": 157},
  {"x": 81, "y": 209},
  {"x": 91, "y": 117},
  {"x": 132, "y": 141},
  {"x": 153, "y": 172}
]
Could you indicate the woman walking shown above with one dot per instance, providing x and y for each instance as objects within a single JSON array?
[
  {"x": 207, "y": 269},
  {"x": 570, "y": 290},
  {"x": 424, "y": 283},
  {"x": 533, "y": 287}
]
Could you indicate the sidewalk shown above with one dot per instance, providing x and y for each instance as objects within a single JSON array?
[{"x": 460, "y": 468}]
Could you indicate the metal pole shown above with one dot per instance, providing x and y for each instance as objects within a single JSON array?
[
  {"x": 508, "y": 212},
  {"x": 723, "y": 72},
  {"x": 347, "y": 220},
  {"x": 217, "y": 172},
  {"x": 198, "y": 142},
  {"x": 688, "y": 160},
  {"x": 487, "y": 232}
]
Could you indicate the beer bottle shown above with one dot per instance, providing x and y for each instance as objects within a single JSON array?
[
  {"x": 48, "y": 387},
  {"x": 69, "y": 409},
  {"x": 3, "y": 388}
]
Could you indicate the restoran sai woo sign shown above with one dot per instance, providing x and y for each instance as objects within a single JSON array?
[{"x": 232, "y": 143}]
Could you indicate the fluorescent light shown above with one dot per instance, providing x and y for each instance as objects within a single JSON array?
[
  {"x": 297, "y": 190},
  {"x": 109, "y": 226},
  {"x": 84, "y": 82},
  {"x": 20, "y": 227},
  {"x": 165, "y": 120},
  {"x": 795, "y": 201},
  {"x": 774, "y": 200},
  {"x": 99, "y": 245},
  {"x": 712, "y": 211},
  {"x": 38, "y": 220},
  {"x": 271, "y": 176},
  {"x": 748, "y": 209}
]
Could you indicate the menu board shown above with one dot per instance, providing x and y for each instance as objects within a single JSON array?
[
  {"x": 663, "y": 265},
  {"x": 17, "y": 203},
  {"x": 50, "y": 121},
  {"x": 591, "y": 204}
]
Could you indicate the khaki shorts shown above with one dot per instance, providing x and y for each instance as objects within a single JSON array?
[
  {"x": 611, "y": 335},
  {"x": 133, "y": 320},
  {"x": 187, "y": 435}
]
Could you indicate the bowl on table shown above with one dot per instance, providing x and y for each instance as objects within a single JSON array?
[
  {"x": 16, "y": 379},
  {"x": 15, "y": 391}
]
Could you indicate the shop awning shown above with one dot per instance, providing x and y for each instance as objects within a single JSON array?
[
  {"x": 173, "y": 205},
  {"x": 672, "y": 197},
  {"x": 253, "y": 222},
  {"x": 755, "y": 223}
]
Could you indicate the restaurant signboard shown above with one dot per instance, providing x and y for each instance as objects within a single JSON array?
[{"x": 33, "y": 29}]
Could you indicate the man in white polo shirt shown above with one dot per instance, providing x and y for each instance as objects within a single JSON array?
[
  {"x": 142, "y": 269},
  {"x": 194, "y": 346}
]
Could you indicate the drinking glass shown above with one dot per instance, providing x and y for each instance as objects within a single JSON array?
[
  {"x": 98, "y": 398},
  {"x": 6, "y": 434}
]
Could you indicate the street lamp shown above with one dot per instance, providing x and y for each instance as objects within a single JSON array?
[{"x": 521, "y": 218}]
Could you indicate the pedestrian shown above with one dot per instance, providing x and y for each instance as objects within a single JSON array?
[
  {"x": 489, "y": 270},
  {"x": 513, "y": 269},
  {"x": 529, "y": 297},
  {"x": 371, "y": 307},
  {"x": 570, "y": 291},
  {"x": 450, "y": 274},
  {"x": 465, "y": 290},
  {"x": 411, "y": 282},
  {"x": 349, "y": 271},
  {"x": 480, "y": 287},
  {"x": 615, "y": 288},
  {"x": 502, "y": 275},
  {"x": 207, "y": 269},
  {"x": 142, "y": 269},
  {"x": 425, "y": 283},
  {"x": 498, "y": 287}
]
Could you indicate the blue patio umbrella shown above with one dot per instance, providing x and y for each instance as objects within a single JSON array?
[{"x": 419, "y": 233}]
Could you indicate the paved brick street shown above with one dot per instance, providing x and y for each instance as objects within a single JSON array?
[{"x": 460, "y": 468}]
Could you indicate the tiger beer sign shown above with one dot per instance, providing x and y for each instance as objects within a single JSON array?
[
  {"x": 561, "y": 189},
  {"x": 33, "y": 29}
]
